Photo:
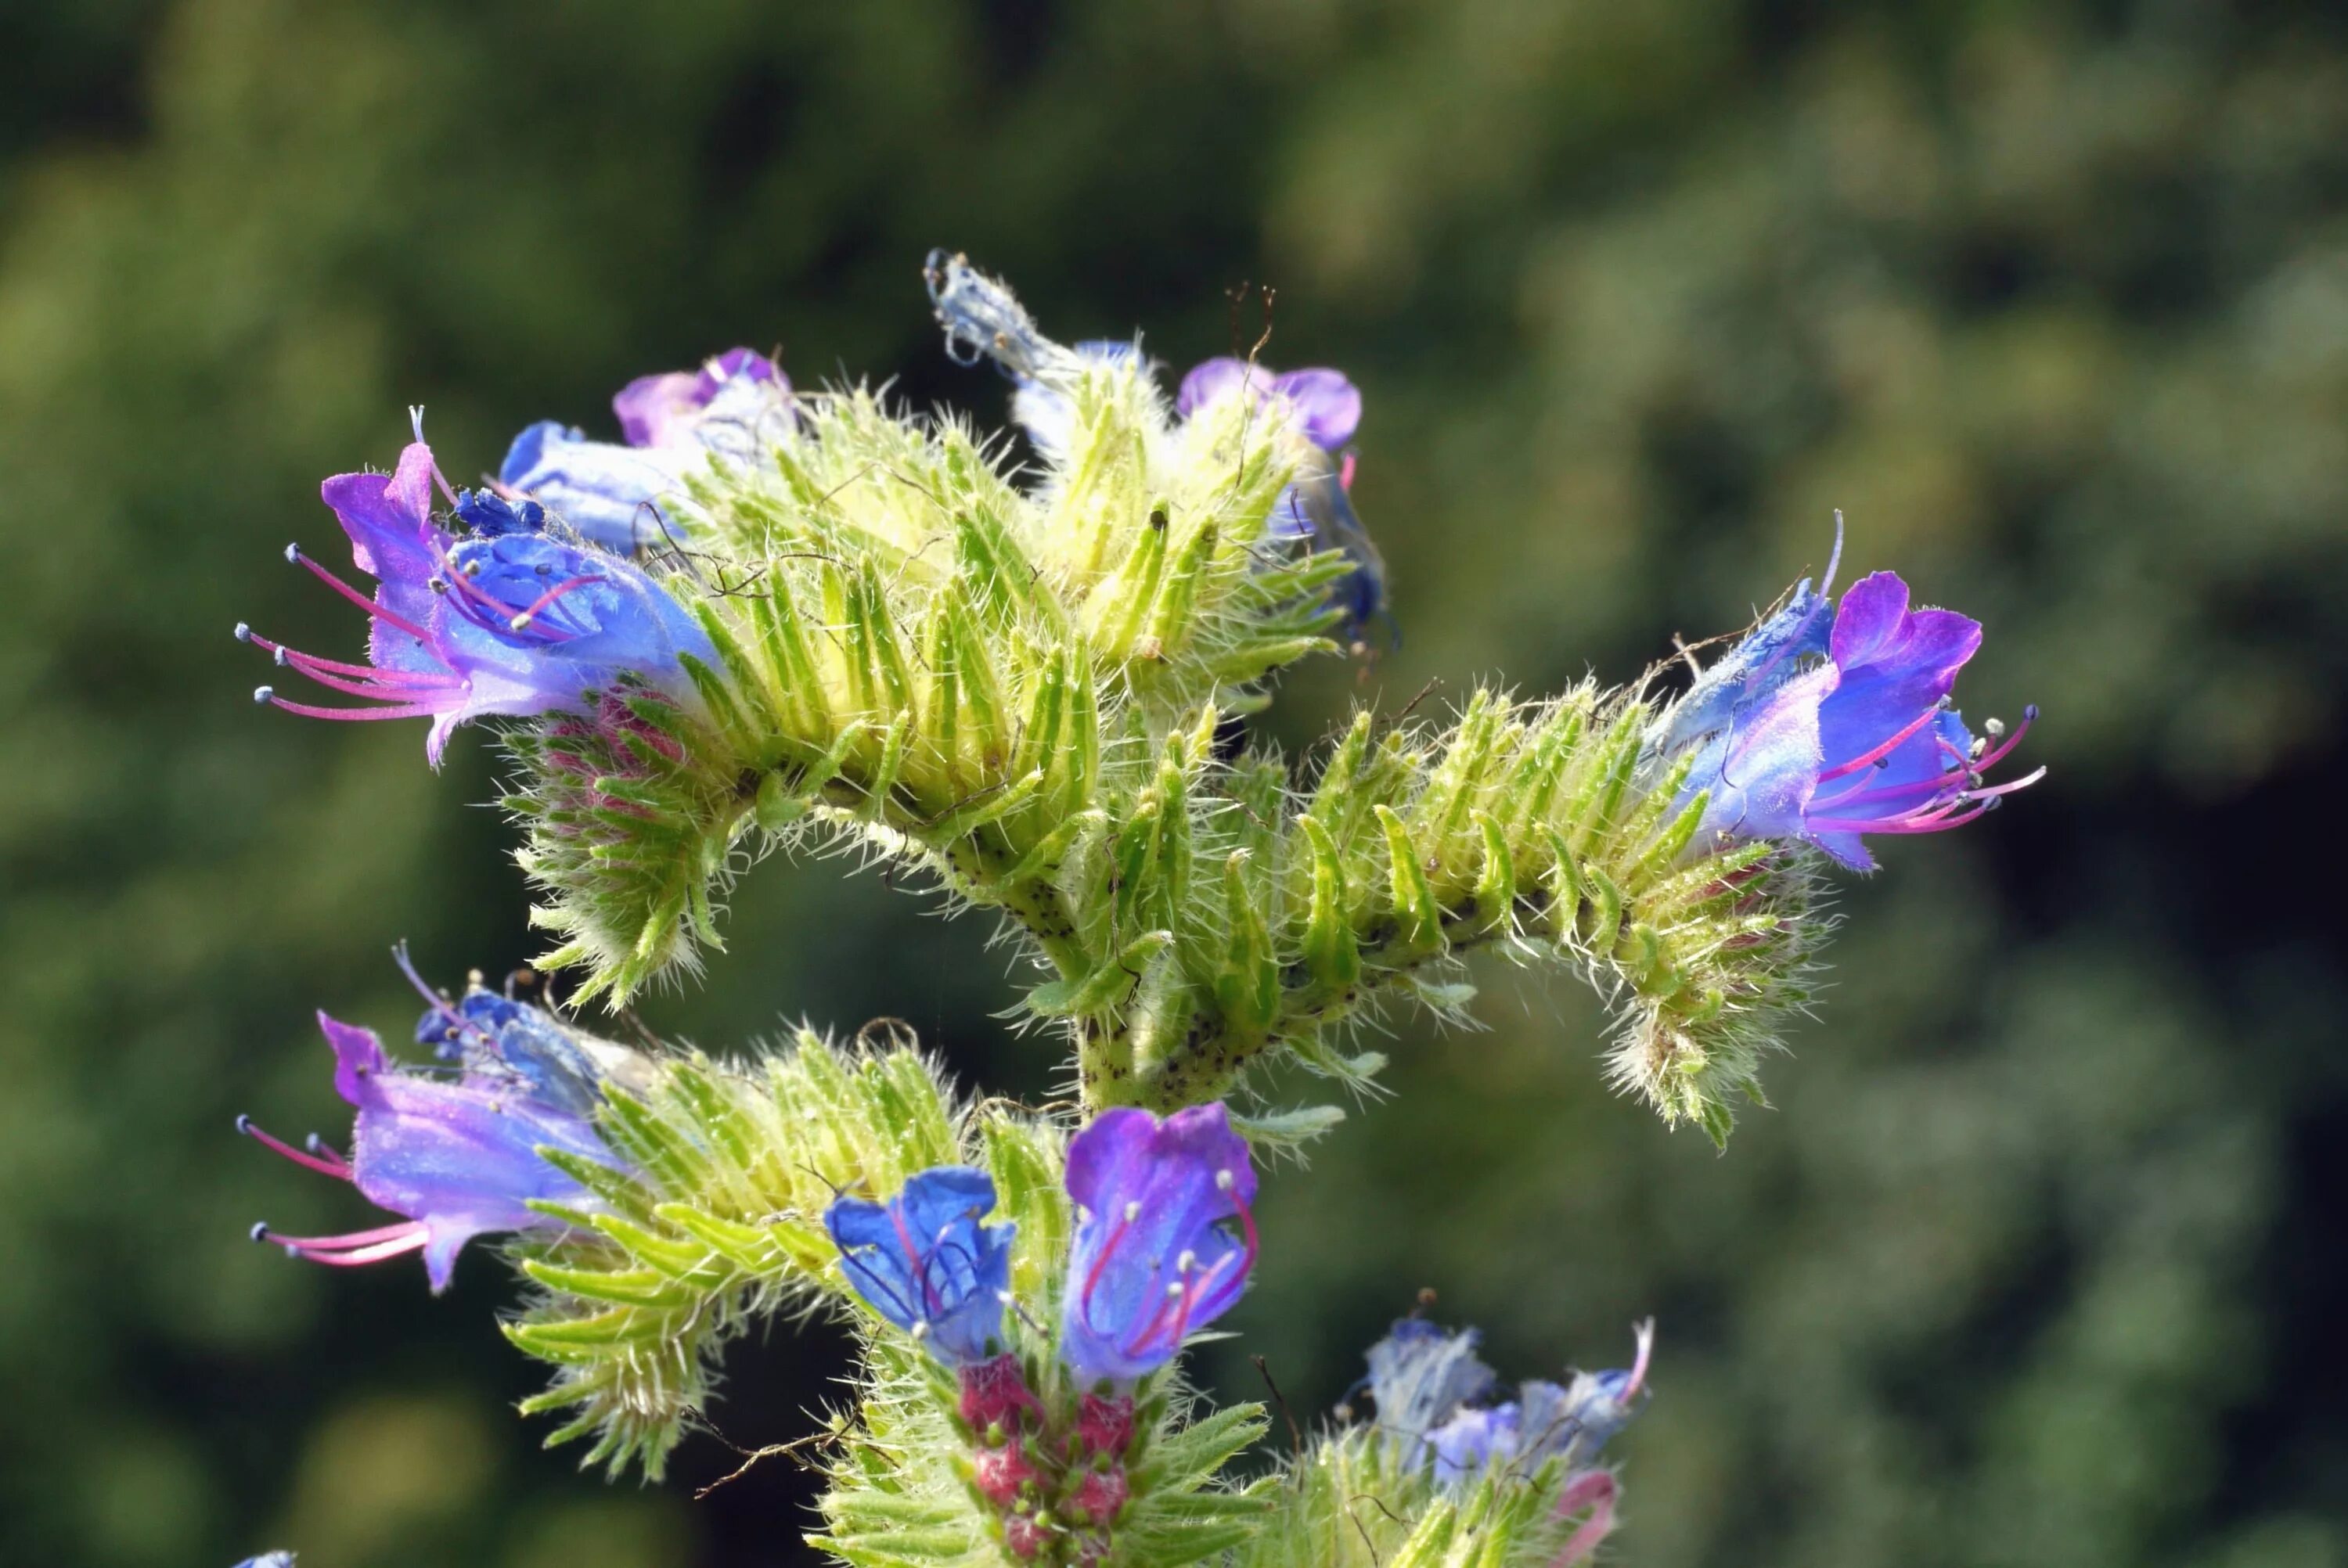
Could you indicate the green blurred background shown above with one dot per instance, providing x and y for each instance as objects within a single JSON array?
[{"x": 2038, "y": 1260}]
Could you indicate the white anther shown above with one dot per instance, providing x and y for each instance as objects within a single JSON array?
[
  {"x": 1174, "y": 1291},
  {"x": 920, "y": 1327},
  {"x": 1084, "y": 1215},
  {"x": 1187, "y": 1261},
  {"x": 520, "y": 622},
  {"x": 292, "y": 555},
  {"x": 1225, "y": 1180},
  {"x": 278, "y": 657},
  {"x": 1994, "y": 728},
  {"x": 263, "y": 694},
  {"x": 244, "y": 632},
  {"x": 1132, "y": 1212}
]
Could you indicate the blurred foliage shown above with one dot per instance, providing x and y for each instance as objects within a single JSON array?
[{"x": 2038, "y": 1261}]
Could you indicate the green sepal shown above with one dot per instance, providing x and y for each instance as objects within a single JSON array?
[
  {"x": 1332, "y": 955},
  {"x": 1247, "y": 982},
  {"x": 1420, "y": 918},
  {"x": 1083, "y": 996}
]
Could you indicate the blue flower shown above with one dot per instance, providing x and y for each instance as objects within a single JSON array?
[
  {"x": 1579, "y": 1419},
  {"x": 456, "y": 1156},
  {"x": 1152, "y": 1259},
  {"x": 1473, "y": 1441},
  {"x": 497, "y": 1038},
  {"x": 609, "y": 493},
  {"x": 1421, "y": 1376},
  {"x": 1431, "y": 1393},
  {"x": 924, "y": 1260},
  {"x": 512, "y": 617},
  {"x": 1823, "y": 727}
]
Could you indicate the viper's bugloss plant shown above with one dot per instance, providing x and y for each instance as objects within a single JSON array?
[{"x": 769, "y": 616}]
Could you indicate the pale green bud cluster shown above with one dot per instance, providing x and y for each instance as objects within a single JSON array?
[{"x": 1019, "y": 690}]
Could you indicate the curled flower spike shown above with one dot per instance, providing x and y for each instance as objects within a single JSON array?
[
  {"x": 510, "y": 617},
  {"x": 610, "y": 493},
  {"x": 1863, "y": 740},
  {"x": 1152, "y": 1260},
  {"x": 923, "y": 1261},
  {"x": 455, "y": 1157}
]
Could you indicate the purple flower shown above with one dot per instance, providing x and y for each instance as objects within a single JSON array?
[
  {"x": 1318, "y": 503},
  {"x": 1863, "y": 740},
  {"x": 509, "y": 618},
  {"x": 923, "y": 1261},
  {"x": 456, "y": 1156},
  {"x": 669, "y": 409},
  {"x": 608, "y": 492},
  {"x": 1326, "y": 406},
  {"x": 1152, "y": 1260}
]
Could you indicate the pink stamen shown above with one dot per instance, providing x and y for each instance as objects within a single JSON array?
[
  {"x": 1990, "y": 758},
  {"x": 1645, "y": 1333},
  {"x": 302, "y": 557},
  {"x": 333, "y": 1167},
  {"x": 550, "y": 596},
  {"x": 350, "y": 1252},
  {"x": 400, "y": 692},
  {"x": 1957, "y": 815},
  {"x": 1251, "y": 1242},
  {"x": 476, "y": 604},
  {"x": 1100, "y": 1268},
  {"x": 1884, "y": 750},
  {"x": 350, "y": 1241},
  {"x": 308, "y": 710},
  {"x": 1184, "y": 1302},
  {"x": 311, "y": 665},
  {"x": 932, "y": 1303},
  {"x": 1955, "y": 779},
  {"x": 1345, "y": 473}
]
